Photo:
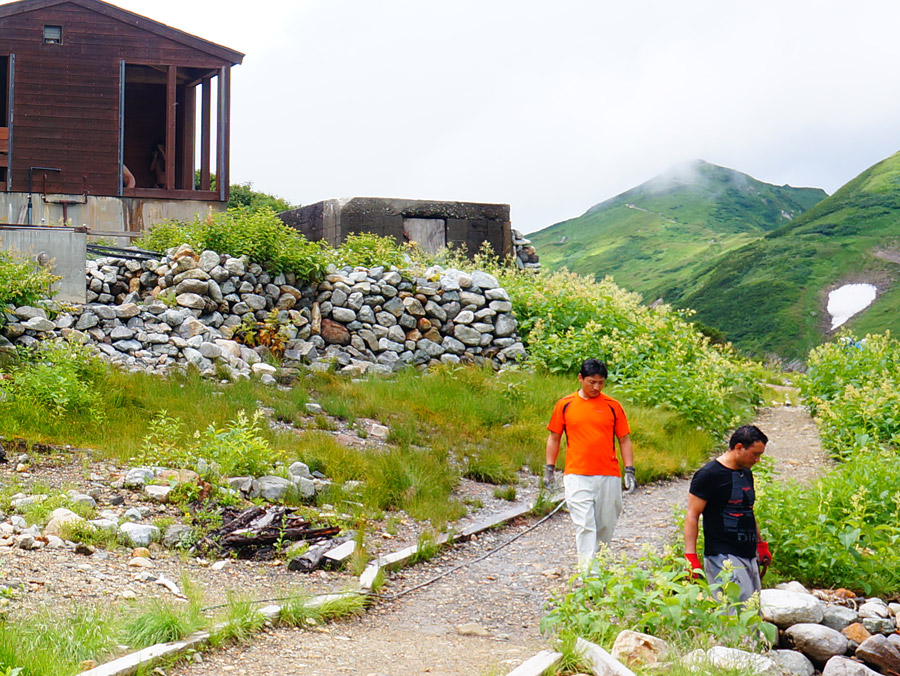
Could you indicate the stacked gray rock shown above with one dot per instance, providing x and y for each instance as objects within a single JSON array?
[
  {"x": 526, "y": 257},
  {"x": 184, "y": 309},
  {"x": 363, "y": 316},
  {"x": 828, "y": 633}
]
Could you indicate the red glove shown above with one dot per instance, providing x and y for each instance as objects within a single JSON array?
[
  {"x": 695, "y": 566},
  {"x": 763, "y": 554}
]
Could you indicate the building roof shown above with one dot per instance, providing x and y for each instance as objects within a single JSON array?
[{"x": 131, "y": 19}]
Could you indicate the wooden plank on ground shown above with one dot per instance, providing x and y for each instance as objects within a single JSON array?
[
  {"x": 602, "y": 663},
  {"x": 537, "y": 665}
]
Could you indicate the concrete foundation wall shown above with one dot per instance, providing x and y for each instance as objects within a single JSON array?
[
  {"x": 99, "y": 213},
  {"x": 466, "y": 224},
  {"x": 64, "y": 246}
]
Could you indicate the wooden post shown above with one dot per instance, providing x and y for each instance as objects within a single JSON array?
[
  {"x": 205, "y": 132},
  {"x": 170, "y": 127},
  {"x": 188, "y": 126}
]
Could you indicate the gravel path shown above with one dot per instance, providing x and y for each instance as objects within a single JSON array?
[{"x": 501, "y": 597}]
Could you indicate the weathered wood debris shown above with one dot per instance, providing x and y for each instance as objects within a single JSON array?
[{"x": 261, "y": 533}]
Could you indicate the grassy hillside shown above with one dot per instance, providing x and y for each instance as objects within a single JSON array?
[
  {"x": 771, "y": 295},
  {"x": 660, "y": 234}
]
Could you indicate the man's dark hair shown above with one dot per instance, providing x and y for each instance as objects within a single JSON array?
[
  {"x": 746, "y": 436},
  {"x": 593, "y": 367}
]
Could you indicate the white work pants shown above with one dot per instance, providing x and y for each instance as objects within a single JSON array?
[{"x": 595, "y": 503}]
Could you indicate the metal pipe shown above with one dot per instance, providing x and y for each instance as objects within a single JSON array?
[{"x": 31, "y": 171}]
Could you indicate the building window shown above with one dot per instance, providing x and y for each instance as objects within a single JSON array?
[{"x": 52, "y": 35}]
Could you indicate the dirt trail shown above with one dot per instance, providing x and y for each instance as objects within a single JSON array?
[{"x": 504, "y": 595}]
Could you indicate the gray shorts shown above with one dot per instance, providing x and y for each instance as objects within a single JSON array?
[{"x": 744, "y": 572}]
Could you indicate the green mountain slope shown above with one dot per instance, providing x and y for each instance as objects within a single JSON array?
[
  {"x": 771, "y": 295},
  {"x": 661, "y": 234}
]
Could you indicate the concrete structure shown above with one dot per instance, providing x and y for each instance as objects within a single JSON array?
[
  {"x": 103, "y": 215},
  {"x": 432, "y": 225},
  {"x": 63, "y": 249}
]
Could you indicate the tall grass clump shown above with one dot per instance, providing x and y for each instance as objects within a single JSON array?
[
  {"x": 160, "y": 620},
  {"x": 852, "y": 387},
  {"x": 239, "y": 621},
  {"x": 50, "y": 643}
]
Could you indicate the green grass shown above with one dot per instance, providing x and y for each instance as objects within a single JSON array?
[
  {"x": 444, "y": 424},
  {"x": 240, "y": 620}
]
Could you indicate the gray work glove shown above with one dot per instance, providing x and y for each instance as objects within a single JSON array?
[
  {"x": 549, "y": 472},
  {"x": 630, "y": 483}
]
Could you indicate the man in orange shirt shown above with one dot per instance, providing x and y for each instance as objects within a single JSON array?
[{"x": 591, "y": 422}]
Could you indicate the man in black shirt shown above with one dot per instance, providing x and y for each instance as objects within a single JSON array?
[{"x": 722, "y": 491}]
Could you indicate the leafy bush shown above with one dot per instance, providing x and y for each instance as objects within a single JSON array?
[
  {"x": 54, "y": 379},
  {"x": 368, "y": 250},
  {"x": 853, "y": 389},
  {"x": 842, "y": 532},
  {"x": 654, "y": 595},
  {"x": 238, "y": 448},
  {"x": 260, "y": 235},
  {"x": 656, "y": 356},
  {"x": 21, "y": 281}
]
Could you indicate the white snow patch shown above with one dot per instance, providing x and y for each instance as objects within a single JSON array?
[{"x": 846, "y": 301}]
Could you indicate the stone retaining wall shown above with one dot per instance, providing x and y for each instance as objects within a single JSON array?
[{"x": 186, "y": 309}]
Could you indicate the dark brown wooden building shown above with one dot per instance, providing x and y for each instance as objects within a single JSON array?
[{"x": 90, "y": 92}]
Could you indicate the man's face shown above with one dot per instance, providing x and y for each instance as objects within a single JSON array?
[
  {"x": 591, "y": 386},
  {"x": 749, "y": 456}
]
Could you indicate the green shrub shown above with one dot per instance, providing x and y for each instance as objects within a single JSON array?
[
  {"x": 259, "y": 235},
  {"x": 53, "y": 380},
  {"x": 238, "y": 448},
  {"x": 655, "y": 355},
  {"x": 842, "y": 532},
  {"x": 853, "y": 389},
  {"x": 368, "y": 250},
  {"x": 654, "y": 595},
  {"x": 21, "y": 281}
]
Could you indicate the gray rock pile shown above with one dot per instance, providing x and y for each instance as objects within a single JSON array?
[
  {"x": 526, "y": 257},
  {"x": 851, "y": 637},
  {"x": 188, "y": 308},
  {"x": 818, "y": 632}
]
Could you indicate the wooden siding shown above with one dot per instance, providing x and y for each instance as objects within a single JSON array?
[{"x": 66, "y": 100}]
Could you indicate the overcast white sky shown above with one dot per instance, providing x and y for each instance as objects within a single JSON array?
[{"x": 549, "y": 106}]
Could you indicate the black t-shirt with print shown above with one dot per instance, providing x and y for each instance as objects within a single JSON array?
[{"x": 729, "y": 526}]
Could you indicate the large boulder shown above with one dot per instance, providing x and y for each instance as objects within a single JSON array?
[
  {"x": 817, "y": 642},
  {"x": 784, "y": 608}
]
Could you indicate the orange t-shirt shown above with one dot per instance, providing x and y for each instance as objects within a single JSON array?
[{"x": 590, "y": 426}]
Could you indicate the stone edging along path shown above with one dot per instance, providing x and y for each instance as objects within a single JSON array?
[{"x": 147, "y": 657}]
